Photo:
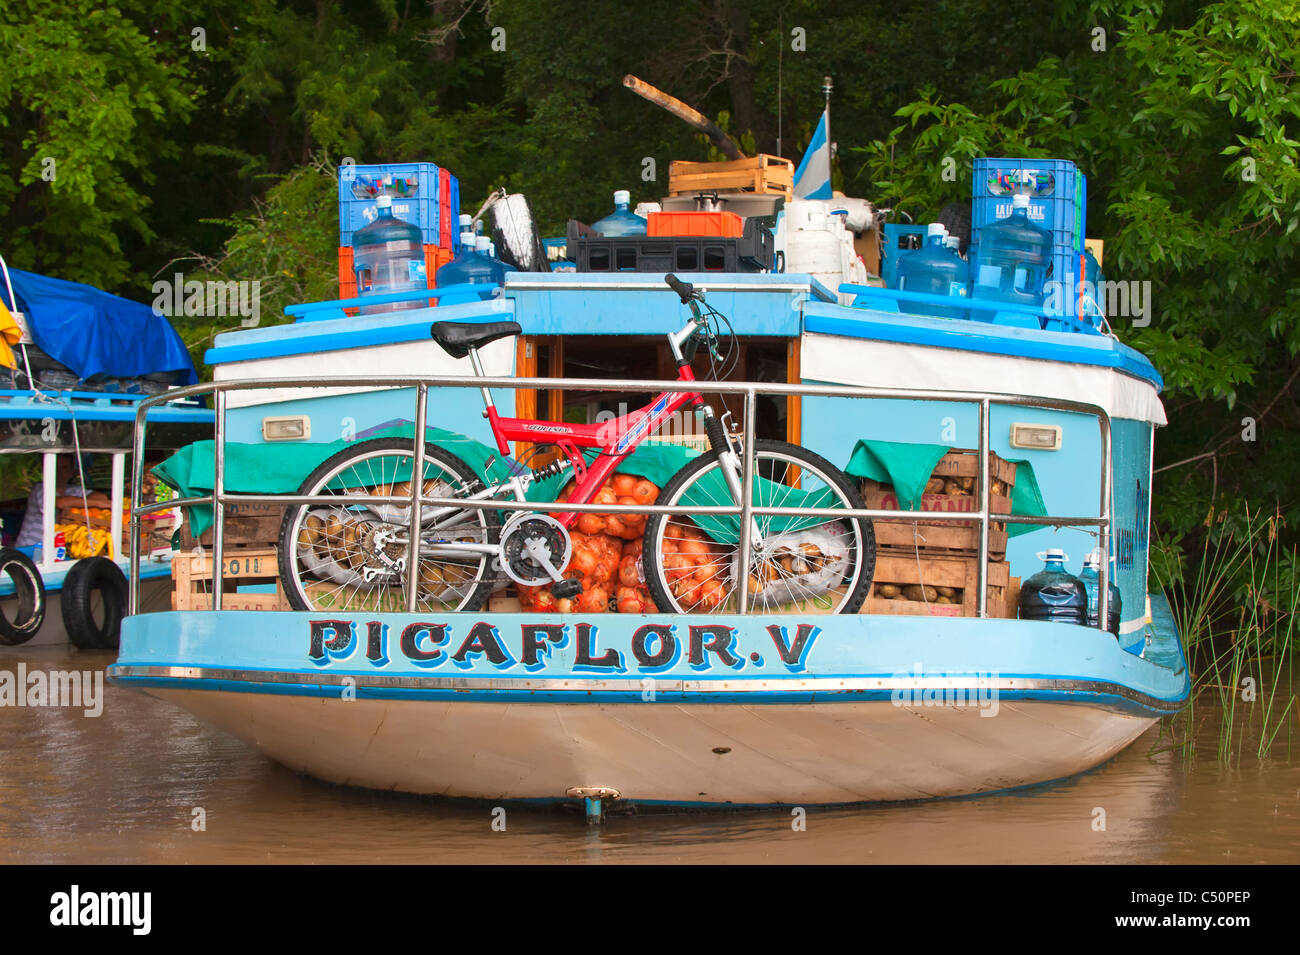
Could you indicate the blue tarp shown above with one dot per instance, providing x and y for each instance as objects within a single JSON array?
[{"x": 95, "y": 333}]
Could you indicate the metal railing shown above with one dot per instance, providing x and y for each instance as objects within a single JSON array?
[{"x": 745, "y": 511}]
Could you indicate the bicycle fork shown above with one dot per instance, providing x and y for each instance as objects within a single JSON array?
[{"x": 732, "y": 470}]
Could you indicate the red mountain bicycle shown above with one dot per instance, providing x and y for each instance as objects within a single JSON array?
[{"x": 357, "y": 557}]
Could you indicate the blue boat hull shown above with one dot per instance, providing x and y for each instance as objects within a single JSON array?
[{"x": 662, "y": 709}]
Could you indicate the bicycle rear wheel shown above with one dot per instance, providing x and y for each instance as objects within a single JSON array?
[
  {"x": 357, "y": 557},
  {"x": 820, "y": 563}
]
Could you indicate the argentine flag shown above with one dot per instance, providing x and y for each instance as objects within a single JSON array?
[{"x": 812, "y": 180}]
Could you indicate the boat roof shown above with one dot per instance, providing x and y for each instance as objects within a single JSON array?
[
  {"x": 85, "y": 406},
  {"x": 628, "y": 303}
]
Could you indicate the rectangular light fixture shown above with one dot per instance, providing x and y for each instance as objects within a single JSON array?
[
  {"x": 287, "y": 428},
  {"x": 1038, "y": 437}
]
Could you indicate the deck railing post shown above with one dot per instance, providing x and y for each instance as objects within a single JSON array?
[
  {"x": 1107, "y": 505},
  {"x": 137, "y": 477},
  {"x": 417, "y": 488},
  {"x": 218, "y": 494},
  {"x": 746, "y": 503},
  {"x": 985, "y": 499}
]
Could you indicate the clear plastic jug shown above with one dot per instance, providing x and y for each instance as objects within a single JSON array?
[{"x": 388, "y": 256}]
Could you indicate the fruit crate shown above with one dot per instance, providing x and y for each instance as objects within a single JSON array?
[
  {"x": 751, "y": 252},
  {"x": 1058, "y": 199},
  {"x": 251, "y": 580},
  {"x": 246, "y": 525},
  {"x": 726, "y": 224},
  {"x": 758, "y": 174},
  {"x": 936, "y": 586},
  {"x": 413, "y": 186},
  {"x": 953, "y": 486}
]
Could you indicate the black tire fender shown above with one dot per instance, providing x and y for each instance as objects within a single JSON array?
[
  {"x": 29, "y": 590},
  {"x": 87, "y": 576}
]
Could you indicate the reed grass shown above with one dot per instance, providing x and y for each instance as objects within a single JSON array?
[{"x": 1236, "y": 606}]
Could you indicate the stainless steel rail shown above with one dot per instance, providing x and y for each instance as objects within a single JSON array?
[{"x": 749, "y": 391}]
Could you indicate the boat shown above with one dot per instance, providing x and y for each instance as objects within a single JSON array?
[
  {"x": 757, "y": 706},
  {"x": 50, "y": 596}
]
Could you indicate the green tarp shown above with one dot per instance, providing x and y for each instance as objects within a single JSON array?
[
  {"x": 908, "y": 466},
  {"x": 282, "y": 468}
]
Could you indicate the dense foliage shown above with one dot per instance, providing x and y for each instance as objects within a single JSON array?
[{"x": 136, "y": 139}]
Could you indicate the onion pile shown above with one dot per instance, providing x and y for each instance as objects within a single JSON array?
[
  {"x": 626, "y": 489},
  {"x": 695, "y": 565},
  {"x": 606, "y": 555},
  {"x": 610, "y": 571}
]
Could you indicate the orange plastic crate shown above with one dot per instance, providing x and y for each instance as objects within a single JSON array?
[
  {"x": 434, "y": 259},
  {"x": 724, "y": 224},
  {"x": 347, "y": 277}
]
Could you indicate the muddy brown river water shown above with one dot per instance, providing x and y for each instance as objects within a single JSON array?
[{"x": 124, "y": 788}]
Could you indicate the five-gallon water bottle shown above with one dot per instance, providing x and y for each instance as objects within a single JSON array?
[
  {"x": 1091, "y": 577},
  {"x": 473, "y": 266},
  {"x": 1054, "y": 594},
  {"x": 936, "y": 269},
  {"x": 953, "y": 245},
  {"x": 621, "y": 221},
  {"x": 388, "y": 256},
  {"x": 1014, "y": 258}
]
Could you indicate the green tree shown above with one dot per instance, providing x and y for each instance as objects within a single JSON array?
[
  {"x": 1184, "y": 125},
  {"x": 86, "y": 101}
]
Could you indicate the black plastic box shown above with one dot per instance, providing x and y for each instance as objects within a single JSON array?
[{"x": 751, "y": 252}]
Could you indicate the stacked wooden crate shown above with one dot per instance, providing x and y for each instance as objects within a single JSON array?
[
  {"x": 931, "y": 567},
  {"x": 251, "y": 576},
  {"x": 761, "y": 174}
]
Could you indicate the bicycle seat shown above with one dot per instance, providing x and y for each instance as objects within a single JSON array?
[{"x": 457, "y": 338}]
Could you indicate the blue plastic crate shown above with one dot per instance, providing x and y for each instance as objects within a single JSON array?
[
  {"x": 1058, "y": 197},
  {"x": 413, "y": 187},
  {"x": 898, "y": 242}
]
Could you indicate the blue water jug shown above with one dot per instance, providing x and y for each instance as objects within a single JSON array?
[
  {"x": 473, "y": 266},
  {"x": 388, "y": 256},
  {"x": 1054, "y": 594},
  {"x": 621, "y": 221},
  {"x": 936, "y": 269},
  {"x": 1091, "y": 577},
  {"x": 1013, "y": 259}
]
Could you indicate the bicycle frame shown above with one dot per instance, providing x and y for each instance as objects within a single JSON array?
[{"x": 616, "y": 438}]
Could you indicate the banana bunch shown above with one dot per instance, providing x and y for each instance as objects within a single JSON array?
[{"x": 82, "y": 541}]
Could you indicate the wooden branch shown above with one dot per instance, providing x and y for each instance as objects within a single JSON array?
[{"x": 685, "y": 113}]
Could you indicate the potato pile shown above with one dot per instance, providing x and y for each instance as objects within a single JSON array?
[
  {"x": 696, "y": 566},
  {"x": 919, "y": 593},
  {"x": 786, "y": 562},
  {"x": 958, "y": 486},
  {"x": 606, "y": 555},
  {"x": 610, "y": 571}
]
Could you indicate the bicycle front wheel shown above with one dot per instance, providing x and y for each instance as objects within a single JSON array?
[
  {"x": 357, "y": 557},
  {"x": 819, "y": 563}
]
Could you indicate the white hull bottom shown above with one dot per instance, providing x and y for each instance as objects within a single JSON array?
[{"x": 788, "y": 754}]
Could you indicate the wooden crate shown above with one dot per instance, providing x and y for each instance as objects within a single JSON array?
[
  {"x": 759, "y": 174},
  {"x": 936, "y": 537},
  {"x": 965, "y": 463},
  {"x": 244, "y": 566},
  {"x": 903, "y": 568},
  {"x": 246, "y": 525}
]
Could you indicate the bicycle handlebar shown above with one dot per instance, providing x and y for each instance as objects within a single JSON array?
[{"x": 684, "y": 289}]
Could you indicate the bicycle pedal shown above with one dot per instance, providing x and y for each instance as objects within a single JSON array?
[{"x": 567, "y": 589}]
